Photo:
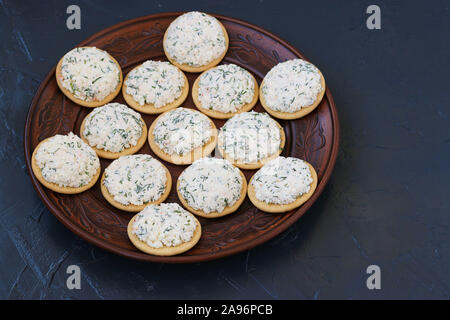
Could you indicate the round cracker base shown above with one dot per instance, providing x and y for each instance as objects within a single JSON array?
[
  {"x": 115, "y": 155},
  {"x": 211, "y": 64},
  {"x": 260, "y": 163},
  {"x": 216, "y": 214},
  {"x": 187, "y": 158},
  {"x": 149, "y": 108},
  {"x": 278, "y": 208},
  {"x": 132, "y": 207},
  {"x": 222, "y": 115},
  {"x": 53, "y": 186},
  {"x": 293, "y": 115},
  {"x": 89, "y": 104},
  {"x": 164, "y": 251}
]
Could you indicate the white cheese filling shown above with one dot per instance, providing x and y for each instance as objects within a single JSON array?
[
  {"x": 155, "y": 82},
  {"x": 195, "y": 39},
  {"x": 210, "y": 184},
  {"x": 89, "y": 73},
  {"x": 164, "y": 225},
  {"x": 135, "y": 179},
  {"x": 282, "y": 180},
  {"x": 291, "y": 85},
  {"x": 249, "y": 137},
  {"x": 113, "y": 127},
  {"x": 181, "y": 130},
  {"x": 67, "y": 161},
  {"x": 225, "y": 88}
]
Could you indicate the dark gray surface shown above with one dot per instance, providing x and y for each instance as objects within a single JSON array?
[{"x": 387, "y": 202}]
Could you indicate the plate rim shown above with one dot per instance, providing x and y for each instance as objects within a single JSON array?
[{"x": 270, "y": 234}]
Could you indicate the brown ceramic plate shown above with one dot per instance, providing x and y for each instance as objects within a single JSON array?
[{"x": 313, "y": 138}]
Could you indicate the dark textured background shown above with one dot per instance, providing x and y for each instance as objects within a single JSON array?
[{"x": 387, "y": 202}]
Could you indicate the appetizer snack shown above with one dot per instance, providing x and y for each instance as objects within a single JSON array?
[
  {"x": 211, "y": 187},
  {"x": 282, "y": 184},
  {"x": 65, "y": 164},
  {"x": 292, "y": 89},
  {"x": 132, "y": 182},
  {"x": 182, "y": 135},
  {"x": 250, "y": 139},
  {"x": 114, "y": 130},
  {"x": 195, "y": 42},
  {"x": 225, "y": 90},
  {"x": 155, "y": 87},
  {"x": 89, "y": 76},
  {"x": 164, "y": 230}
]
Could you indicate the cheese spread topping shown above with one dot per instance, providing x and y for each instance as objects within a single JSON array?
[
  {"x": 291, "y": 85},
  {"x": 155, "y": 82},
  {"x": 250, "y": 137},
  {"x": 210, "y": 185},
  {"x": 282, "y": 180},
  {"x": 181, "y": 130},
  {"x": 113, "y": 127},
  {"x": 225, "y": 88},
  {"x": 67, "y": 161},
  {"x": 195, "y": 39},
  {"x": 89, "y": 73},
  {"x": 135, "y": 179},
  {"x": 164, "y": 225}
]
